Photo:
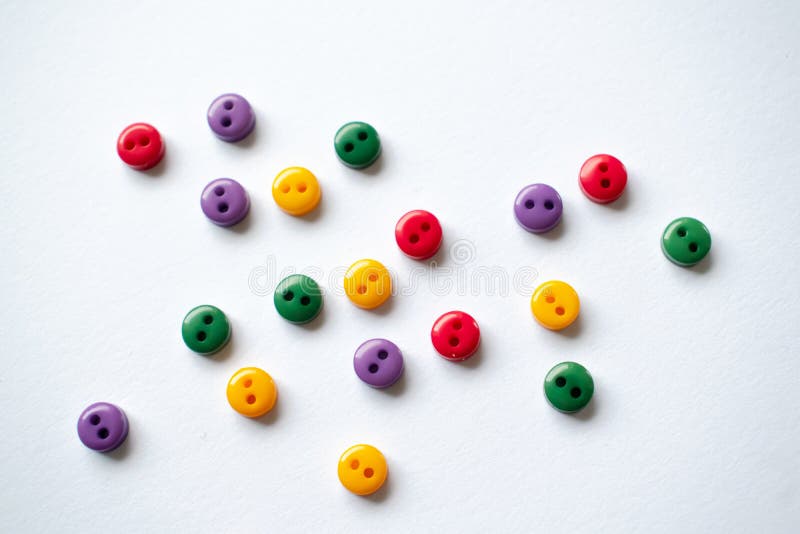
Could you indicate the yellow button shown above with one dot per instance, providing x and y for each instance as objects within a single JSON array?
[
  {"x": 555, "y": 305},
  {"x": 368, "y": 283},
  {"x": 252, "y": 392},
  {"x": 362, "y": 469},
  {"x": 296, "y": 190}
]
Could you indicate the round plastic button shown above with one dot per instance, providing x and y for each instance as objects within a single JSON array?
[
  {"x": 378, "y": 362},
  {"x": 205, "y": 329},
  {"x": 102, "y": 426},
  {"x": 418, "y": 234},
  {"x": 296, "y": 191},
  {"x": 455, "y": 335},
  {"x": 225, "y": 202},
  {"x": 357, "y": 144},
  {"x": 367, "y": 284},
  {"x": 603, "y": 178},
  {"x": 538, "y": 208},
  {"x": 298, "y": 298},
  {"x": 555, "y": 305},
  {"x": 362, "y": 469},
  {"x": 140, "y": 146},
  {"x": 252, "y": 392},
  {"x": 231, "y": 117},
  {"x": 568, "y": 387},
  {"x": 686, "y": 241}
]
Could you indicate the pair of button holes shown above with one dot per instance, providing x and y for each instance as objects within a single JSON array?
[
  {"x": 251, "y": 399},
  {"x": 349, "y": 147},
  {"x": 201, "y": 335},
  {"x": 226, "y": 120},
  {"x": 682, "y": 233},
  {"x": 382, "y": 355},
  {"x": 550, "y": 299},
  {"x": 301, "y": 188},
  {"x": 454, "y": 341},
  {"x": 605, "y": 183},
  {"x": 368, "y": 472},
  {"x": 415, "y": 237},
  {"x": 130, "y": 145},
  {"x": 362, "y": 288},
  {"x": 222, "y": 207},
  {"x": 102, "y": 433},
  {"x": 548, "y": 204},
  {"x": 304, "y": 300},
  {"x": 574, "y": 392}
]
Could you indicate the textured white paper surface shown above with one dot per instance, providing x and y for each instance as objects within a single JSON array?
[{"x": 695, "y": 422}]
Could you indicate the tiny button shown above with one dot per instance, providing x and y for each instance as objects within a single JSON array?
[
  {"x": 455, "y": 335},
  {"x": 225, "y": 202},
  {"x": 252, "y": 392},
  {"x": 102, "y": 426},
  {"x": 538, "y": 208},
  {"x": 298, "y": 298},
  {"x": 205, "y": 329},
  {"x": 418, "y": 234},
  {"x": 362, "y": 469},
  {"x": 140, "y": 146},
  {"x": 378, "y": 362},
  {"x": 603, "y": 178},
  {"x": 686, "y": 241},
  {"x": 296, "y": 191},
  {"x": 568, "y": 387},
  {"x": 555, "y": 305},
  {"x": 357, "y": 145},
  {"x": 231, "y": 117},
  {"x": 367, "y": 284}
]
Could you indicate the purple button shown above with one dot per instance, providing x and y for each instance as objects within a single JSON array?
[
  {"x": 378, "y": 362},
  {"x": 225, "y": 202},
  {"x": 102, "y": 426},
  {"x": 538, "y": 208},
  {"x": 231, "y": 117}
]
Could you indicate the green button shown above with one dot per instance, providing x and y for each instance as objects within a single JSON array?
[
  {"x": 357, "y": 144},
  {"x": 686, "y": 241},
  {"x": 298, "y": 298},
  {"x": 568, "y": 387},
  {"x": 206, "y": 329}
]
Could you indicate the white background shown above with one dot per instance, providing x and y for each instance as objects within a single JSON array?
[{"x": 695, "y": 423}]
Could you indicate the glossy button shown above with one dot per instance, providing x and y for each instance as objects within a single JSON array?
[
  {"x": 205, "y": 329},
  {"x": 225, "y": 202},
  {"x": 378, "y": 362},
  {"x": 231, "y": 117},
  {"x": 362, "y": 469},
  {"x": 455, "y": 335},
  {"x": 555, "y": 305},
  {"x": 357, "y": 144},
  {"x": 367, "y": 284},
  {"x": 686, "y": 241},
  {"x": 538, "y": 208},
  {"x": 252, "y": 392},
  {"x": 140, "y": 146},
  {"x": 568, "y": 387},
  {"x": 298, "y": 298},
  {"x": 102, "y": 426},
  {"x": 603, "y": 178},
  {"x": 418, "y": 234},
  {"x": 296, "y": 191}
]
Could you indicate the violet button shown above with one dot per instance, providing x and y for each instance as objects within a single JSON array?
[
  {"x": 538, "y": 208},
  {"x": 102, "y": 426},
  {"x": 225, "y": 202},
  {"x": 378, "y": 362},
  {"x": 231, "y": 117}
]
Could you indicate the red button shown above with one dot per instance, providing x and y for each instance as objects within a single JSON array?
[
  {"x": 418, "y": 234},
  {"x": 603, "y": 178},
  {"x": 140, "y": 146},
  {"x": 456, "y": 335}
]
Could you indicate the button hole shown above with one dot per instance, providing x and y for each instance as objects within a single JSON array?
[
  {"x": 226, "y": 121},
  {"x": 349, "y": 147},
  {"x": 560, "y": 310},
  {"x": 368, "y": 472},
  {"x": 129, "y": 145},
  {"x": 603, "y": 167},
  {"x": 201, "y": 336},
  {"x": 373, "y": 368},
  {"x": 247, "y": 383},
  {"x": 382, "y": 354},
  {"x": 301, "y": 187},
  {"x": 456, "y": 325},
  {"x": 228, "y": 105},
  {"x": 682, "y": 232},
  {"x": 288, "y": 296},
  {"x": 354, "y": 464},
  {"x": 373, "y": 277},
  {"x": 561, "y": 381},
  {"x": 362, "y": 136},
  {"x": 453, "y": 341},
  {"x": 425, "y": 227},
  {"x": 548, "y": 204},
  {"x": 693, "y": 247},
  {"x": 102, "y": 433},
  {"x": 575, "y": 393},
  {"x": 251, "y": 399},
  {"x": 219, "y": 190},
  {"x": 305, "y": 301},
  {"x": 94, "y": 419},
  {"x": 144, "y": 141},
  {"x": 413, "y": 238},
  {"x": 529, "y": 204},
  {"x": 605, "y": 183},
  {"x": 285, "y": 188},
  {"x": 550, "y": 299},
  {"x": 222, "y": 207},
  {"x": 208, "y": 319},
  {"x": 362, "y": 289}
]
